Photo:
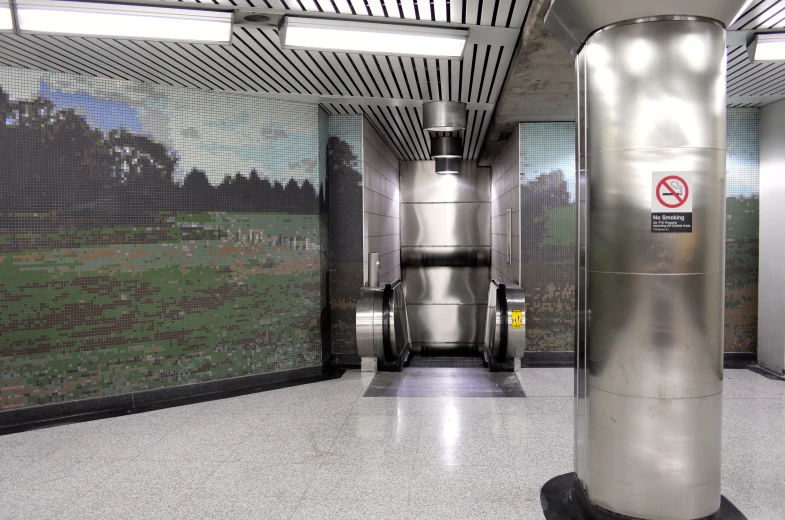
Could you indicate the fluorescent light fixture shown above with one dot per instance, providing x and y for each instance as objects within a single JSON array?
[
  {"x": 6, "y": 20},
  {"x": 124, "y": 21},
  {"x": 371, "y": 38},
  {"x": 767, "y": 47}
]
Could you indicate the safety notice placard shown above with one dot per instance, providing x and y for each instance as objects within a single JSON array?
[
  {"x": 517, "y": 318},
  {"x": 671, "y": 202}
]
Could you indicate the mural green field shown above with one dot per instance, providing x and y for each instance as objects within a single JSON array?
[{"x": 131, "y": 314}]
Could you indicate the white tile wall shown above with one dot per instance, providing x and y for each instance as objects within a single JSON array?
[
  {"x": 506, "y": 194},
  {"x": 381, "y": 206}
]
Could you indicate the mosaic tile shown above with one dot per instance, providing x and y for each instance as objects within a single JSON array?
[{"x": 153, "y": 236}]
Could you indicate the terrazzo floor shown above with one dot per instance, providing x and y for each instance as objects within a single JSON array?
[{"x": 322, "y": 451}]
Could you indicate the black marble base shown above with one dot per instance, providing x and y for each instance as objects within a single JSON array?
[{"x": 563, "y": 498}]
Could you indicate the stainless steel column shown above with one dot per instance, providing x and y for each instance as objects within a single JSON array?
[
  {"x": 650, "y": 305},
  {"x": 655, "y": 102}
]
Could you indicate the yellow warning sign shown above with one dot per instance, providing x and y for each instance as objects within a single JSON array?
[{"x": 517, "y": 319}]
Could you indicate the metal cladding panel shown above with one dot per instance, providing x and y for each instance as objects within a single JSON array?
[
  {"x": 420, "y": 183},
  {"x": 451, "y": 324},
  {"x": 452, "y": 285},
  {"x": 445, "y": 251},
  {"x": 625, "y": 211},
  {"x": 448, "y": 224},
  {"x": 668, "y": 434},
  {"x": 573, "y": 21},
  {"x": 656, "y": 336},
  {"x": 650, "y": 305}
]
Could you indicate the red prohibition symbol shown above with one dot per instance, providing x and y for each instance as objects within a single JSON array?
[{"x": 670, "y": 188}]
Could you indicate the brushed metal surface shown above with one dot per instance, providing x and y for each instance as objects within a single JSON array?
[
  {"x": 580, "y": 413},
  {"x": 421, "y": 183},
  {"x": 400, "y": 333},
  {"x": 370, "y": 321},
  {"x": 650, "y": 306},
  {"x": 573, "y": 21},
  {"x": 446, "y": 146},
  {"x": 364, "y": 322},
  {"x": 454, "y": 285},
  {"x": 447, "y": 224},
  {"x": 434, "y": 324},
  {"x": 656, "y": 336},
  {"x": 438, "y": 256},
  {"x": 374, "y": 266},
  {"x": 620, "y": 195},
  {"x": 443, "y": 116},
  {"x": 445, "y": 252},
  {"x": 516, "y": 337},
  {"x": 657, "y": 441}
]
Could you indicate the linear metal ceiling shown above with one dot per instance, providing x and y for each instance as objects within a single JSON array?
[
  {"x": 759, "y": 83},
  {"x": 389, "y": 89}
]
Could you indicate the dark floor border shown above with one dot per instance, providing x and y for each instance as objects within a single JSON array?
[
  {"x": 766, "y": 373},
  {"x": 14, "y": 421},
  {"x": 549, "y": 359},
  {"x": 740, "y": 359},
  {"x": 563, "y": 498},
  {"x": 345, "y": 360}
]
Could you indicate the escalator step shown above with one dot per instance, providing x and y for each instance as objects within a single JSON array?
[{"x": 445, "y": 362}]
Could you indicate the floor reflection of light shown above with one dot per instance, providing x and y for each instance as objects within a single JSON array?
[{"x": 450, "y": 433}]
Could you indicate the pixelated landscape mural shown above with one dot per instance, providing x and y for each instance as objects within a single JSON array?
[
  {"x": 154, "y": 236},
  {"x": 548, "y": 227},
  {"x": 345, "y": 199}
]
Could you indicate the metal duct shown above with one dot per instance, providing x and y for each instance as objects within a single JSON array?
[
  {"x": 448, "y": 166},
  {"x": 444, "y": 116},
  {"x": 446, "y": 147}
]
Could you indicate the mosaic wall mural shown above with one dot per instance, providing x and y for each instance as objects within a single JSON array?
[
  {"x": 154, "y": 236},
  {"x": 345, "y": 199},
  {"x": 547, "y": 168},
  {"x": 741, "y": 250},
  {"x": 548, "y": 228}
]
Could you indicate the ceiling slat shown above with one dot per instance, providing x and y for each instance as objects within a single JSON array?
[{"x": 518, "y": 14}]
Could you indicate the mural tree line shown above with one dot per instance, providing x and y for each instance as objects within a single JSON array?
[{"x": 52, "y": 161}]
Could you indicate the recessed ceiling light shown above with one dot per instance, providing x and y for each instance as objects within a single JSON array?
[
  {"x": 767, "y": 47},
  {"x": 256, "y": 18},
  {"x": 371, "y": 38},
  {"x": 124, "y": 21},
  {"x": 6, "y": 20},
  {"x": 445, "y": 166}
]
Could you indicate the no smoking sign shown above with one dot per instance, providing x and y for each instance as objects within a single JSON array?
[{"x": 671, "y": 202}]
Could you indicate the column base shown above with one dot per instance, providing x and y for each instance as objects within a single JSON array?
[{"x": 563, "y": 498}]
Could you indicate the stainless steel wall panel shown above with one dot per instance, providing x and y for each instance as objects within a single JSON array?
[
  {"x": 445, "y": 251},
  {"x": 452, "y": 285},
  {"x": 437, "y": 256},
  {"x": 435, "y": 324},
  {"x": 506, "y": 197},
  {"x": 381, "y": 209},
  {"x": 462, "y": 224},
  {"x": 419, "y": 183}
]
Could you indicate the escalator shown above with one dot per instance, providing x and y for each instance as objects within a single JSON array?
[{"x": 383, "y": 333}]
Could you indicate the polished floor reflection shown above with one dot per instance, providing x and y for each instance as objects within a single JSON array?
[
  {"x": 445, "y": 382},
  {"x": 324, "y": 451}
]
